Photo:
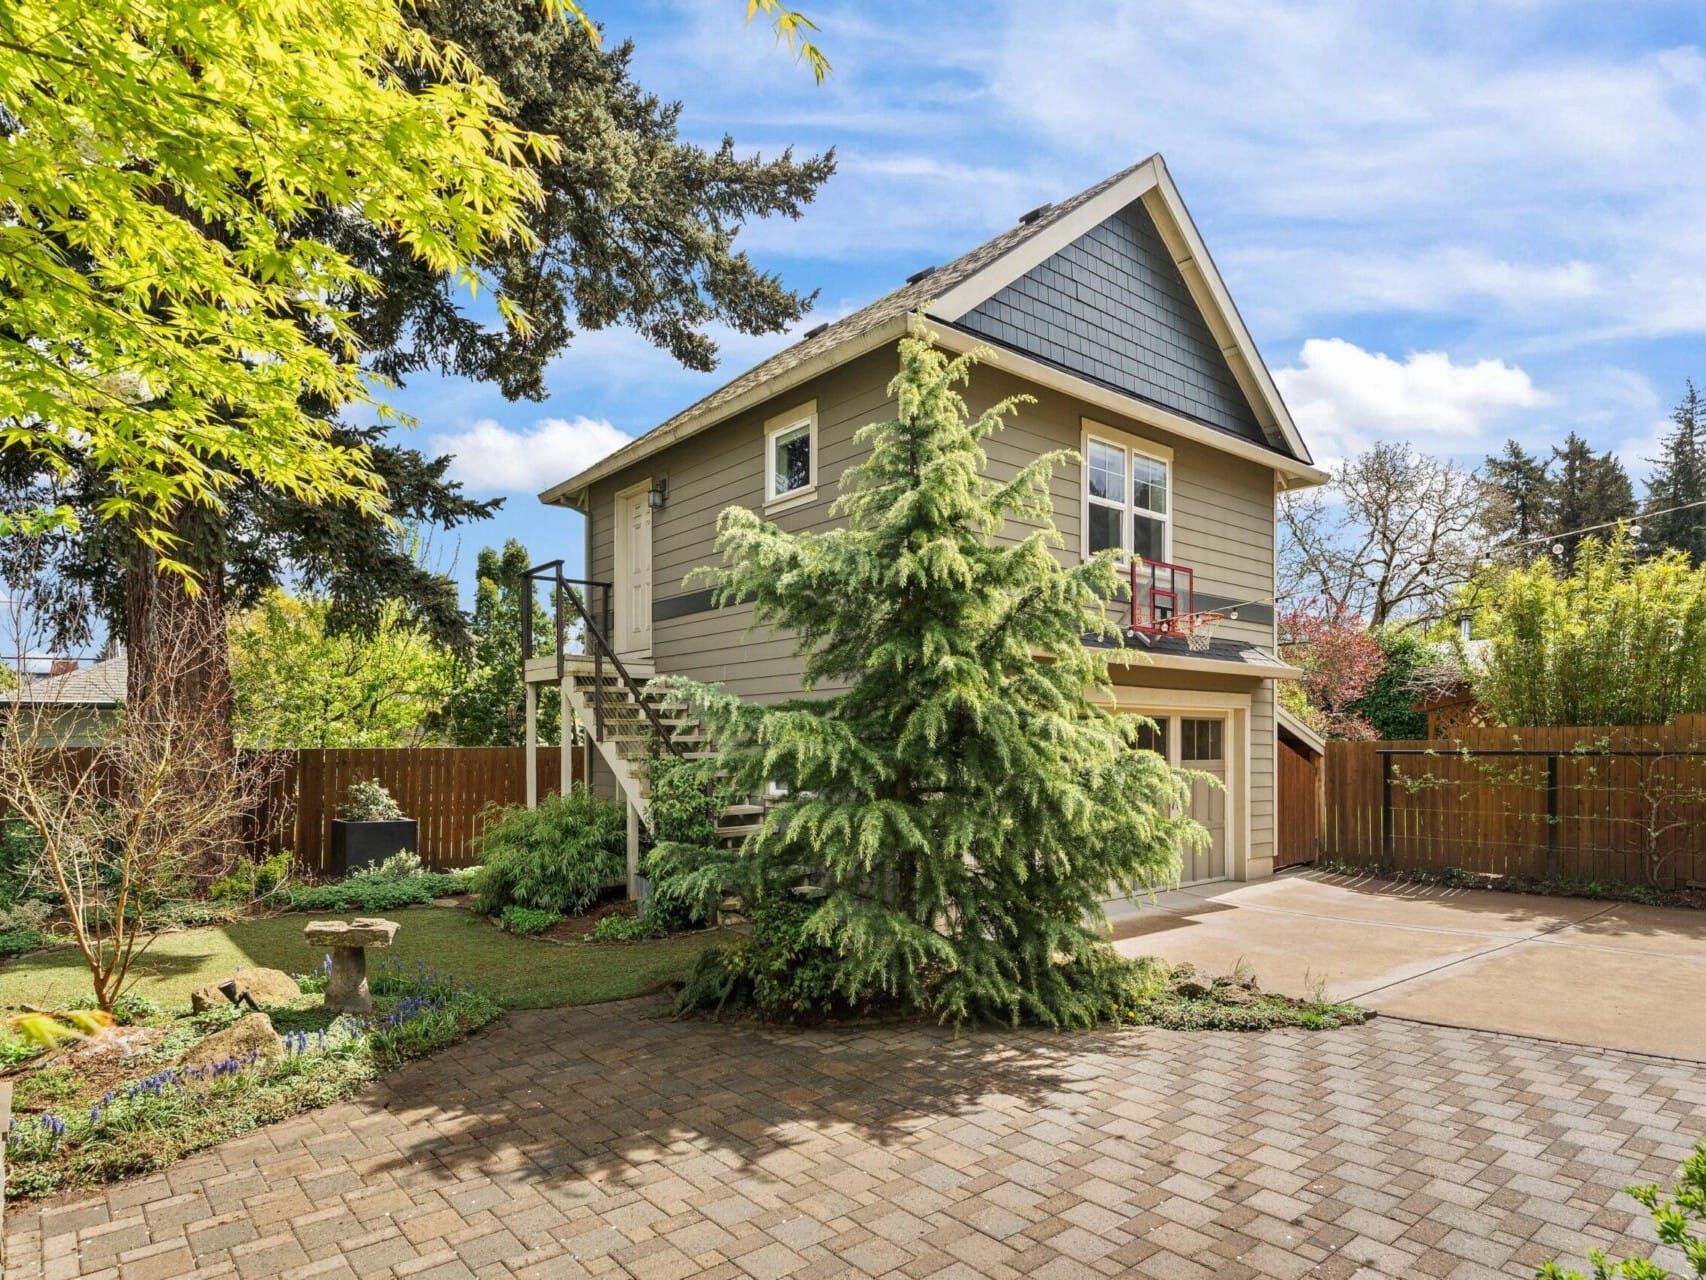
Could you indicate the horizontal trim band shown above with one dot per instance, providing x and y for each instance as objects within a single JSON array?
[{"x": 691, "y": 602}]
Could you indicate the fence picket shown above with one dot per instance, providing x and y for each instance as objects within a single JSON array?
[{"x": 1488, "y": 813}]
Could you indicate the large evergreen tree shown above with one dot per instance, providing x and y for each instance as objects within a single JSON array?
[
  {"x": 1520, "y": 485},
  {"x": 1679, "y": 480},
  {"x": 635, "y": 226},
  {"x": 957, "y": 804},
  {"x": 1590, "y": 492},
  {"x": 487, "y": 707}
]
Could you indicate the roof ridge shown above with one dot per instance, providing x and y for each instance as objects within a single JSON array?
[{"x": 908, "y": 297}]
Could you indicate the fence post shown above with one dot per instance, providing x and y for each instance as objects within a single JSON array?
[
  {"x": 1552, "y": 817},
  {"x": 1386, "y": 848}
]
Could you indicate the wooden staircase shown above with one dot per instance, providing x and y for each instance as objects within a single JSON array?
[
  {"x": 626, "y": 720},
  {"x": 628, "y": 724}
]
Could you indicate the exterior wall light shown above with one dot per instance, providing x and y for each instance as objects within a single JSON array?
[{"x": 658, "y": 494}]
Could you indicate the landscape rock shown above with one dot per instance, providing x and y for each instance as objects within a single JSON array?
[
  {"x": 263, "y": 986},
  {"x": 251, "y": 1034}
]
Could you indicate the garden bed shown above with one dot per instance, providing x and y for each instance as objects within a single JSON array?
[
  {"x": 85, "y": 1118},
  {"x": 127, "y": 1101}
]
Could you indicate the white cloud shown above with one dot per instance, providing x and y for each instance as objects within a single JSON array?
[
  {"x": 1294, "y": 284},
  {"x": 1344, "y": 397},
  {"x": 492, "y": 458},
  {"x": 1431, "y": 170}
]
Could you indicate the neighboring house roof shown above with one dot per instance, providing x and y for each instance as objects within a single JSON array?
[
  {"x": 100, "y": 684},
  {"x": 948, "y": 294},
  {"x": 1289, "y": 722}
]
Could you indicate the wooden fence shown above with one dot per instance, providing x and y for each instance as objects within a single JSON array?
[
  {"x": 1621, "y": 804},
  {"x": 447, "y": 790},
  {"x": 1298, "y": 779}
]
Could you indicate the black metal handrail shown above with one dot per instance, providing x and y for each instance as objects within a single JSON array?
[{"x": 602, "y": 649}]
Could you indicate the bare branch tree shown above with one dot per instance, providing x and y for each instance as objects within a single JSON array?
[
  {"x": 154, "y": 808},
  {"x": 1391, "y": 536}
]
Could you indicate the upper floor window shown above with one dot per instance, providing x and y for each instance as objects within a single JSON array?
[
  {"x": 1126, "y": 498},
  {"x": 790, "y": 452}
]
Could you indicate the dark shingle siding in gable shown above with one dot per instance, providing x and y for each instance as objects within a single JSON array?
[{"x": 1112, "y": 306}]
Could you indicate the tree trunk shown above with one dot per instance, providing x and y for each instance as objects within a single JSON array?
[{"x": 177, "y": 664}]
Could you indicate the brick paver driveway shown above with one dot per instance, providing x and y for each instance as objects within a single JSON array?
[{"x": 611, "y": 1142}]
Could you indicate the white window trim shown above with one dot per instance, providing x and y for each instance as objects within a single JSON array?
[
  {"x": 806, "y": 415},
  {"x": 1130, "y": 444}
]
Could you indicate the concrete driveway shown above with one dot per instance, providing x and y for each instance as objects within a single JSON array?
[{"x": 1614, "y": 975}]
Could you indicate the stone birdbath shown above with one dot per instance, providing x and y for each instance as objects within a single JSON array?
[{"x": 346, "y": 985}]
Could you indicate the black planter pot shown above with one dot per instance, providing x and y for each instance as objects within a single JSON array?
[{"x": 366, "y": 844}]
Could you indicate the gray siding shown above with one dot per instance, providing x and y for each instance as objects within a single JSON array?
[{"x": 1112, "y": 306}]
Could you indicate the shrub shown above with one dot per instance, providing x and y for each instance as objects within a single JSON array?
[
  {"x": 376, "y": 893},
  {"x": 779, "y": 970},
  {"x": 130, "y": 1008},
  {"x": 370, "y": 802},
  {"x": 1390, "y": 706},
  {"x": 555, "y": 857},
  {"x": 399, "y": 866},
  {"x": 687, "y": 869},
  {"x": 23, "y": 926},
  {"x": 20, "y": 850},
  {"x": 527, "y": 920},
  {"x": 251, "y": 878},
  {"x": 630, "y": 928}
]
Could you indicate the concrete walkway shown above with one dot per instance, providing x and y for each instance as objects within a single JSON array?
[
  {"x": 1612, "y": 975},
  {"x": 616, "y": 1142}
]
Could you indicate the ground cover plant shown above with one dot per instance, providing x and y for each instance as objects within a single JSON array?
[
  {"x": 82, "y": 1120},
  {"x": 951, "y": 818}
]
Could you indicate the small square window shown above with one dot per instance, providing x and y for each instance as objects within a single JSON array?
[
  {"x": 1152, "y": 736},
  {"x": 793, "y": 460},
  {"x": 790, "y": 462}
]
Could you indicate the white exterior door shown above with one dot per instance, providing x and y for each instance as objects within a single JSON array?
[
  {"x": 633, "y": 586},
  {"x": 1202, "y": 748},
  {"x": 1198, "y": 743}
]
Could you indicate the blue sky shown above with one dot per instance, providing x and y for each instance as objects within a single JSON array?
[{"x": 1445, "y": 223}]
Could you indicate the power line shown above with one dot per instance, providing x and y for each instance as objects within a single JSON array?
[{"x": 1632, "y": 521}]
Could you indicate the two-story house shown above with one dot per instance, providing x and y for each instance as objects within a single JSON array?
[{"x": 1107, "y": 309}]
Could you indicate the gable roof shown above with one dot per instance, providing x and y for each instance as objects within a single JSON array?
[
  {"x": 100, "y": 684},
  {"x": 945, "y": 294}
]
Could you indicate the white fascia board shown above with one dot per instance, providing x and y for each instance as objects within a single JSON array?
[
  {"x": 982, "y": 285},
  {"x": 1274, "y": 670},
  {"x": 1296, "y": 474},
  {"x": 572, "y": 492}
]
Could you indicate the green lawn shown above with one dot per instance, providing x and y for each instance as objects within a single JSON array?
[{"x": 518, "y": 973}]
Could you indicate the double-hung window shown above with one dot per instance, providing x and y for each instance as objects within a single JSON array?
[
  {"x": 790, "y": 455},
  {"x": 1126, "y": 497}
]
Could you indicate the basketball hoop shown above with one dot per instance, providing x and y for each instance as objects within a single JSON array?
[
  {"x": 1198, "y": 630},
  {"x": 1164, "y": 603}
]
